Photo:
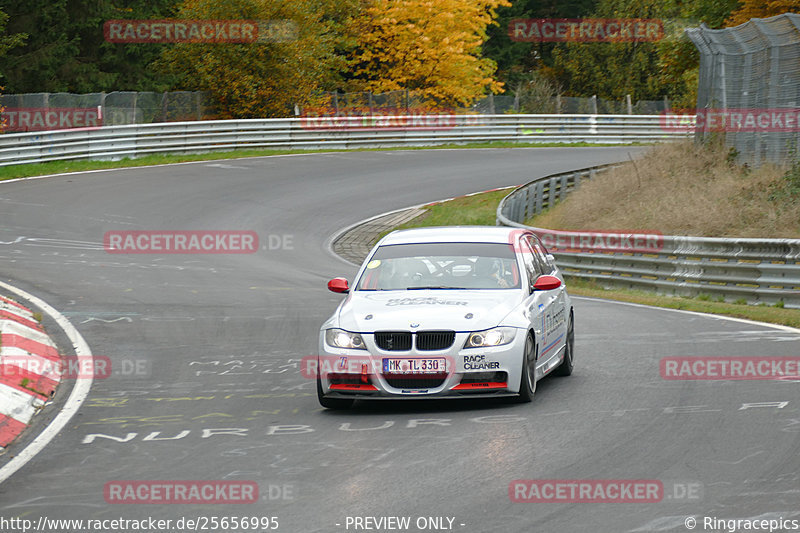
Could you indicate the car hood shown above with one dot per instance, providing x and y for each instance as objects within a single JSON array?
[{"x": 427, "y": 309}]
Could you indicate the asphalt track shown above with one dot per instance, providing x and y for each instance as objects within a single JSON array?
[{"x": 221, "y": 336}]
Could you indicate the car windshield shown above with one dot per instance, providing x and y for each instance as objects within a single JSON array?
[{"x": 441, "y": 266}]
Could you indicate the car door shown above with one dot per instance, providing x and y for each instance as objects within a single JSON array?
[
  {"x": 556, "y": 314},
  {"x": 539, "y": 305}
]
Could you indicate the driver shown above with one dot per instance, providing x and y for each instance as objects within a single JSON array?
[{"x": 491, "y": 269}]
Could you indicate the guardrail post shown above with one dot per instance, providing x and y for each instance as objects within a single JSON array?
[
  {"x": 564, "y": 186},
  {"x": 538, "y": 197},
  {"x": 551, "y": 193}
]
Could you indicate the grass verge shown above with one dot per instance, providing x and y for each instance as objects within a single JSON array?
[
  {"x": 685, "y": 189},
  {"x": 480, "y": 209},
  {"x": 700, "y": 304},
  {"x": 59, "y": 167}
]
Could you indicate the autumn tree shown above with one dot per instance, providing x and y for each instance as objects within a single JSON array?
[
  {"x": 760, "y": 9},
  {"x": 264, "y": 79},
  {"x": 431, "y": 47}
]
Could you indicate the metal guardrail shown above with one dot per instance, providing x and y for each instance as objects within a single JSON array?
[
  {"x": 756, "y": 270},
  {"x": 117, "y": 142}
]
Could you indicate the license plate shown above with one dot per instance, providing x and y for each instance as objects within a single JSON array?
[{"x": 435, "y": 365}]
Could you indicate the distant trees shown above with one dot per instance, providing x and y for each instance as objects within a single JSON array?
[
  {"x": 450, "y": 51},
  {"x": 65, "y": 50}
]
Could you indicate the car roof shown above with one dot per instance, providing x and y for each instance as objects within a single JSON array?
[{"x": 489, "y": 234}]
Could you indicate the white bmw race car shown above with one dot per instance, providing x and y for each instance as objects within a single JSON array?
[{"x": 447, "y": 312}]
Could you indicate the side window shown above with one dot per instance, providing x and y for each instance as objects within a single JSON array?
[
  {"x": 532, "y": 266},
  {"x": 539, "y": 255}
]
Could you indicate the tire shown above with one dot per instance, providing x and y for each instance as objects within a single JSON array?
[
  {"x": 527, "y": 380},
  {"x": 332, "y": 403},
  {"x": 566, "y": 366}
]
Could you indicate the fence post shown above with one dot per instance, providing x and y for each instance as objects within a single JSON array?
[
  {"x": 558, "y": 104},
  {"x": 594, "y": 104},
  {"x": 198, "y": 105},
  {"x": 628, "y": 104},
  {"x": 163, "y": 106}
]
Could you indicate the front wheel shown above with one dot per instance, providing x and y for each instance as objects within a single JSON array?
[
  {"x": 565, "y": 368},
  {"x": 331, "y": 403},
  {"x": 527, "y": 381}
]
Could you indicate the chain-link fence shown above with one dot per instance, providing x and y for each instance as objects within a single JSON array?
[
  {"x": 52, "y": 111},
  {"x": 402, "y": 102},
  {"x": 749, "y": 87},
  {"x": 48, "y": 111}
]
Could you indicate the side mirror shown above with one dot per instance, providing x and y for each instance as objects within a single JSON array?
[
  {"x": 546, "y": 283},
  {"x": 338, "y": 285}
]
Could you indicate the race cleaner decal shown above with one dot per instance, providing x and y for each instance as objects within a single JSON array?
[
  {"x": 422, "y": 301},
  {"x": 479, "y": 362}
]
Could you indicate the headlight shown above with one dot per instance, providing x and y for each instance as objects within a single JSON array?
[
  {"x": 344, "y": 339},
  {"x": 490, "y": 337}
]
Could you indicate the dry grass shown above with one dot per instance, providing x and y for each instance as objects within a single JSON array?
[{"x": 683, "y": 189}]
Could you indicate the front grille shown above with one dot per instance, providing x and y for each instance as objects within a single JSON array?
[
  {"x": 428, "y": 381},
  {"x": 393, "y": 341},
  {"x": 435, "y": 340},
  {"x": 400, "y": 341}
]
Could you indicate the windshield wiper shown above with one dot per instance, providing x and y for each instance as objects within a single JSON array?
[{"x": 433, "y": 287}]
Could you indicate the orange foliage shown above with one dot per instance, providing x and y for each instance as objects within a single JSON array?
[
  {"x": 431, "y": 47},
  {"x": 749, "y": 9}
]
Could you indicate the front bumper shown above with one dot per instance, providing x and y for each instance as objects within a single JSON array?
[{"x": 471, "y": 372}]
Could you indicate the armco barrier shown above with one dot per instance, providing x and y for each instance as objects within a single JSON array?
[
  {"x": 117, "y": 142},
  {"x": 756, "y": 270}
]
